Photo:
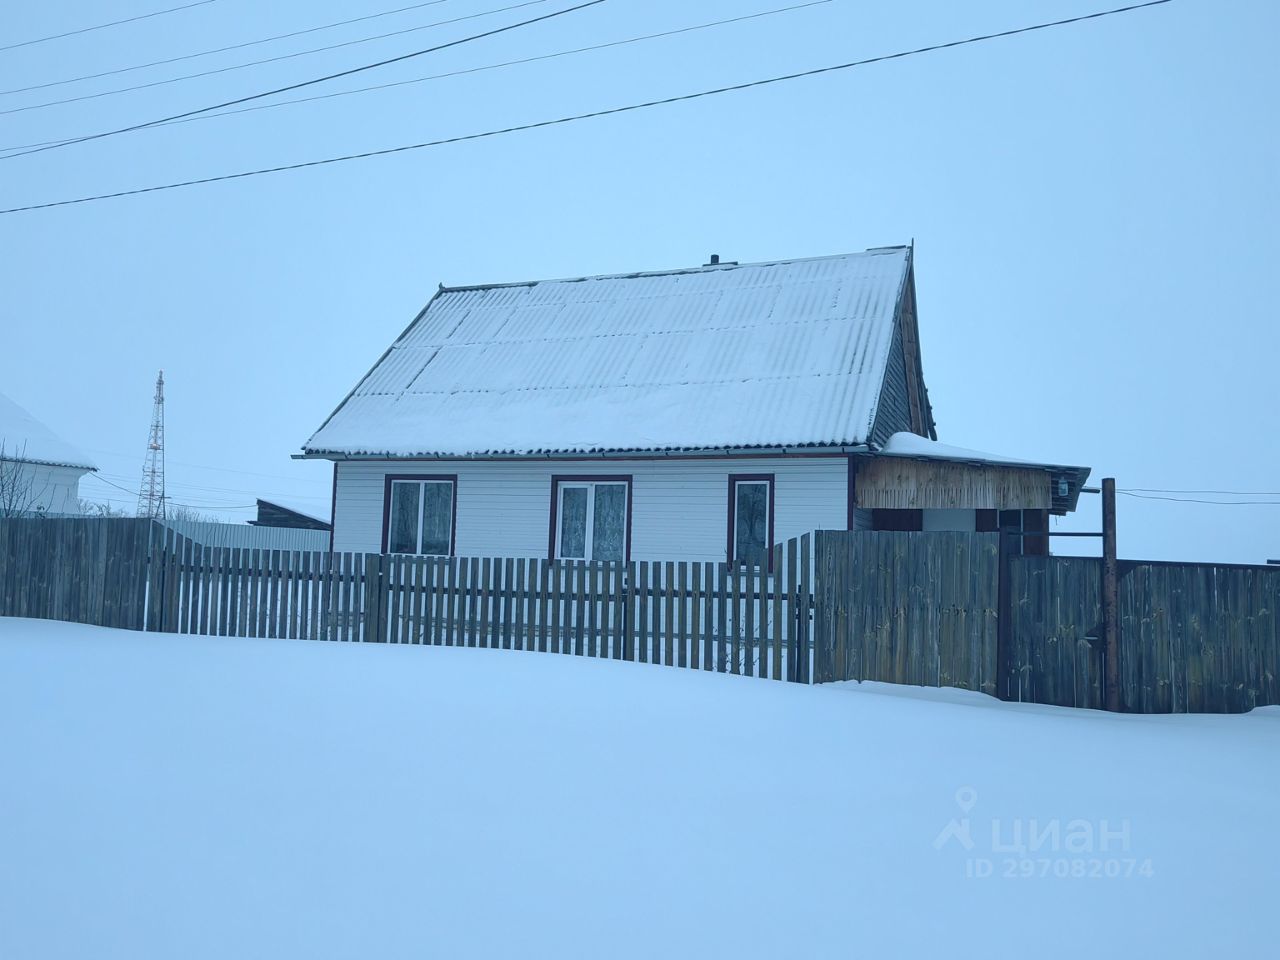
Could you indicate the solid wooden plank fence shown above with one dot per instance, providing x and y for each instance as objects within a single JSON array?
[
  {"x": 925, "y": 608},
  {"x": 91, "y": 570},
  {"x": 916, "y": 608},
  {"x": 1193, "y": 637}
]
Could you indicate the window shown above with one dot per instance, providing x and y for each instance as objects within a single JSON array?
[
  {"x": 751, "y": 518},
  {"x": 590, "y": 518},
  {"x": 1018, "y": 522},
  {"x": 418, "y": 515}
]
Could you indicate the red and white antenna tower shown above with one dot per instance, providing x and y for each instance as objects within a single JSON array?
[{"x": 151, "y": 497}]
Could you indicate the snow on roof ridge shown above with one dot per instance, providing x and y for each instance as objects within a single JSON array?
[
  {"x": 674, "y": 271},
  {"x": 28, "y": 440},
  {"x": 904, "y": 444}
]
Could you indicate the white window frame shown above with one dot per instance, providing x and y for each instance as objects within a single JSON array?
[
  {"x": 422, "y": 506},
  {"x": 590, "y": 487}
]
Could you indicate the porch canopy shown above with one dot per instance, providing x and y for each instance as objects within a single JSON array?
[{"x": 913, "y": 473}]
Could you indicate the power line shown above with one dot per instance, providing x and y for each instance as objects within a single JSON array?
[
  {"x": 198, "y": 466},
  {"x": 205, "y": 505},
  {"x": 255, "y": 63},
  {"x": 252, "y": 491},
  {"x": 208, "y": 488},
  {"x": 98, "y": 476},
  {"x": 583, "y": 116},
  {"x": 1228, "y": 493},
  {"x": 459, "y": 73},
  {"x": 1221, "y": 503},
  {"x": 226, "y": 49},
  {"x": 332, "y": 76},
  {"x": 103, "y": 26}
]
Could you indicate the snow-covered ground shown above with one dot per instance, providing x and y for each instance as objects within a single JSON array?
[{"x": 167, "y": 797}]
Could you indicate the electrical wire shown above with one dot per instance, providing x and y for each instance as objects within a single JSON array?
[
  {"x": 198, "y": 466},
  {"x": 1228, "y": 493},
  {"x": 458, "y": 73},
  {"x": 1221, "y": 503},
  {"x": 226, "y": 49},
  {"x": 206, "y": 505},
  {"x": 103, "y": 26},
  {"x": 207, "y": 488},
  {"x": 277, "y": 59},
  {"x": 583, "y": 116}
]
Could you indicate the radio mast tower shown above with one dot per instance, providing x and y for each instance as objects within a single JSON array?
[{"x": 151, "y": 496}]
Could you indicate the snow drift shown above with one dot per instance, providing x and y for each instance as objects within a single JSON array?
[{"x": 190, "y": 797}]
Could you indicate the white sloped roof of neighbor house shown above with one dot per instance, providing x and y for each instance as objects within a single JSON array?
[
  {"x": 782, "y": 354},
  {"x": 25, "y": 438}
]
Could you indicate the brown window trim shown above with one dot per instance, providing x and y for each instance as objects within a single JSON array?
[
  {"x": 390, "y": 478},
  {"x": 734, "y": 480},
  {"x": 559, "y": 478}
]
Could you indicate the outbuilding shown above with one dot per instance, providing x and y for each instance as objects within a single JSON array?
[{"x": 39, "y": 471}]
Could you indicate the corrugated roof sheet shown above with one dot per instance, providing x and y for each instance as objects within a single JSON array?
[{"x": 779, "y": 354}]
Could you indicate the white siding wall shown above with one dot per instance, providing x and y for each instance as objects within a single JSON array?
[
  {"x": 51, "y": 490},
  {"x": 680, "y": 508}
]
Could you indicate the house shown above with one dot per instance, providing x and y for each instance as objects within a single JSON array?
[
  {"x": 39, "y": 471},
  {"x": 700, "y": 414}
]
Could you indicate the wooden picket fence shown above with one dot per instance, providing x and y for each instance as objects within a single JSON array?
[{"x": 751, "y": 619}]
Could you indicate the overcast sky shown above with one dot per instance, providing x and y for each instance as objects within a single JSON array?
[{"x": 1094, "y": 209}]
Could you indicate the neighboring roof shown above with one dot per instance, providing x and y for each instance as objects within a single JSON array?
[
  {"x": 784, "y": 354},
  {"x": 271, "y": 512},
  {"x": 911, "y": 446},
  {"x": 25, "y": 438}
]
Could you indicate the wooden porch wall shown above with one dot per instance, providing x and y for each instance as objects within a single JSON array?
[{"x": 898, "y": 483}]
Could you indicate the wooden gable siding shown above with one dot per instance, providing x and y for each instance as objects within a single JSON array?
[
  {"x": 893, "y": 414},
  {"x": 903, "y": 484},
  {"x": 904, "y": 401}
]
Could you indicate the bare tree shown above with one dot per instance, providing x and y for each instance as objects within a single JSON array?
[
  {"x": 180, "y": 511},
  {"x": 19, "y": 496},
  {"x": 93, "y": 508}
]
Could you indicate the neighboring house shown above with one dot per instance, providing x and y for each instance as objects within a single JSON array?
[
  {"x": 274, "y": 514},
  {"x": 39, "y": 471},
  {"x": 699, "y": 414}
]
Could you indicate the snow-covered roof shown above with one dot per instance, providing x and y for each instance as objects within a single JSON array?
[
  {"x": 909, "y": 445},
  {"x": 913, "y": 445},
  {"x": 25, "y": 438},
  {"x": 784, "y": 354}
]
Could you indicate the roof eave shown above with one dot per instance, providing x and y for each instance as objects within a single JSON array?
[{"x": 708, "y": 452}]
